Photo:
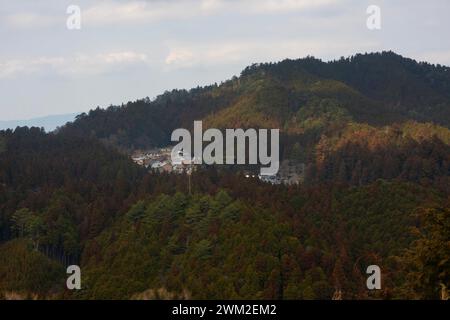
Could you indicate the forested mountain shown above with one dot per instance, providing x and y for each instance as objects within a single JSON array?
[
  {"x": 417, "y": 90},
  {"x": 372, "y": 131},
  {"x": 299, "y": 96}
]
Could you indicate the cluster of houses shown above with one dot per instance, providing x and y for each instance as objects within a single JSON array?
[
  {"x": 160, "y": 160},
  {"x": 290, "y": 172}
]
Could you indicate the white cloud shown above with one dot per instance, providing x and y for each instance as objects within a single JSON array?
[
  {"x": 141, "y": 11},
  {"x": 211, "y": 6},
  {"x": 180, "y": 57},
  {"x": 278, "y": 6},
  {"x": 78, "y": 65},
  {"x": 113, "y": 12},
  {"x": 246, "y": 52},
  {"x": 31, "y": 20}
]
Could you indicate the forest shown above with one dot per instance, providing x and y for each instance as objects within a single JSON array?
[{"x": 372, "y": 131}]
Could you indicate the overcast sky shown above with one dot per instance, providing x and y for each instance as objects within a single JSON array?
[{"x": 127, "y": 50}]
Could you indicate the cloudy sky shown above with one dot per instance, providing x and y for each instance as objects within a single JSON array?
[{"x": 132, "y": 49}]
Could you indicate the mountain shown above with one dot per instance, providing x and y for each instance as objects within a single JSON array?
[
  {"x": 353, "y": 120},
  {"x": 301, "y": 96},
  {"x": 372, "y": 131},
  {"x": 49, "y": 123}
]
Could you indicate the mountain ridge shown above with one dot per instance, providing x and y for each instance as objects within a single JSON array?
[{"x": 377, "y": 88}]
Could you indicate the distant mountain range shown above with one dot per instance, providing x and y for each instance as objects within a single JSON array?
[{"x": 49, "y": 123}]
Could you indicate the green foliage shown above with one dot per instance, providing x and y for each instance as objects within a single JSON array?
[
  {"x": 222, "y": 247},
  {"x": 136, "y": 212},
  {"x": 207, "y": 233},
  {"x": 320, "y": 114},
  {"x": 25, "y": 271},
  {"x": 395, "y": 85},
  {"x": 427, "y": 262},
  {"x": 27, "y": 224}
]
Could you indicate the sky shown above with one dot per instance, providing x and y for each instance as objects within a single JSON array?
[{"x": 127, "y": 50}]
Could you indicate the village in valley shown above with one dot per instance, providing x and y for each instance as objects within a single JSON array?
[{"x": 160, "y": 160}]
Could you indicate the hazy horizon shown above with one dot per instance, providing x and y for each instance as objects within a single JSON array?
[{"x": 49, "y": 122}]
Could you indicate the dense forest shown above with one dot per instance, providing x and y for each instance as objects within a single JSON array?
[{"x": 372, "y": 130}]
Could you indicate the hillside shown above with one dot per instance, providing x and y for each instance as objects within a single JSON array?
[
  {"x": 301, "y": 96},
  {"x": 372, "y": 131},
  {"x": 221, "y": 247},
  {"x": 142, "y": 235}
]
